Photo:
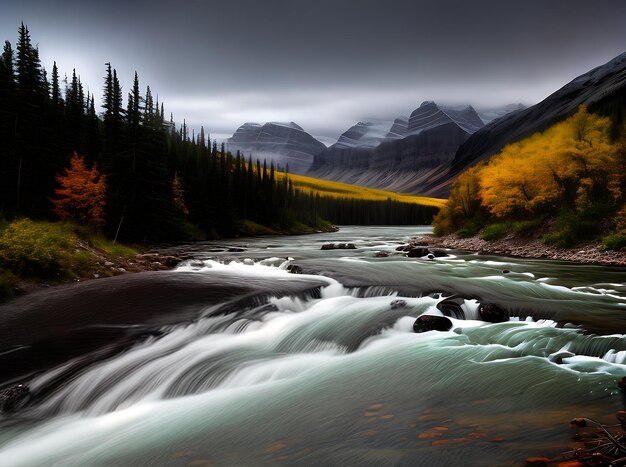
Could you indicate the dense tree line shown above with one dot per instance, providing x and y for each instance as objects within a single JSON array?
[{"x": 162, "y": 182}]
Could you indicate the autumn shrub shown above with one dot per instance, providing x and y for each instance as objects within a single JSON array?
[
  {"x": 81, "y": 196},
  {"x": 495, "y": 231},
  {"x": 30, "y": 248}
]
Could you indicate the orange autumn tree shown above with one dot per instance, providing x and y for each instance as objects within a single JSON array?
[{"x": 81, "y": 197}]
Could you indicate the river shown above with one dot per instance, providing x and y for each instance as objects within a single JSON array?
[{"x": 239, "y": 362}]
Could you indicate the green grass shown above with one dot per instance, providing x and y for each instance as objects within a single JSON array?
[
  {"x": 528, "y": 226},
  {"x": 36, "y": 249},
  {"x": 99, "y": 242},
  {"x": 615, "y": 242},
  {"x": 569, "y": 229},
  {"x": 495, "y": 231}
]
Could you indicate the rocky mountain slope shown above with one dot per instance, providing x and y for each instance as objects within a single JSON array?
[
  {"x": 412, "y": 153},
  {"x": 284, "y": 144},
  {"x": 602, "y": 89}
]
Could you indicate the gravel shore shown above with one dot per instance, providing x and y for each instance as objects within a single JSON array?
[{"x": 526, "y": 248}]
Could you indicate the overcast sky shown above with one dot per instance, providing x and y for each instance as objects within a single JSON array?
[{"x": 324, "y": 64}]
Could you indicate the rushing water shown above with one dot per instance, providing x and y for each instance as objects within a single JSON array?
[{"x": 333, "y": 374}]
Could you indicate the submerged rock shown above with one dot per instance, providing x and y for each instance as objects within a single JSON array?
[
  {"x": 398, "y": 304},
  {"x": 10, "y": 398},
  {"x": 417, "y": 252},
  {"x": 432, "y": 323},
  {"x": 294, "y": 269},
  {"x": 338, "y": 246},
  {"x": 557, "y": 357},
  {"x": 452, "y": 307},
  {"x": 492, "y": 313}
]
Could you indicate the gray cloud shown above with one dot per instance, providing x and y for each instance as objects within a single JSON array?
[{"x": 324, "y": 64}]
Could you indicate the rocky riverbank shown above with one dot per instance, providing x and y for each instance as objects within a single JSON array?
[{"x": 525, "y": 248}]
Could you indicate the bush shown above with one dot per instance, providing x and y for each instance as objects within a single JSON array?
[
  {"x": 529, "y": 226},
  {"x": 569, "y": 229},
  {"x": 494, "y": 231},
  {"x": 616, "y": 242},
  {"x": 31, "y": 248}
]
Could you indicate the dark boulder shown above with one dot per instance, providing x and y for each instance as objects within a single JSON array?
[
  {"x": 417, "y": 252},
  {"x": 294, "y": 269},
  {"x": 622, "y": 383},
  {"x": 338, "y": 246},
  {"x": 492, "y": 313},
  {"x": 432, "y": 323},
  {"x": 439, "y": 253},
  {"x": 381, "y": 254},
  {"x": 398, "y": 304},
  {"x": 452, "y": 307},
  {"x": 10, "y": 398},
  {"x": 236, "y": 250}
]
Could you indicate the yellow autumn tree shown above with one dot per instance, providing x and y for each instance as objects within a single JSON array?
[
  {"x": 81, "y": 196},
  {"x": 571, "y": 163}
]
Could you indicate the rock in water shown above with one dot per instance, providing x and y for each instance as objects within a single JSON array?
[
  {"x": 339, "y": 246},
  {"x": 432, "y": 323},
  {"x": 294, "y": 269},
  {"x": 417, "y": 252},
  {"x": 622, "y": 383},
  {"x": 398, "y": 304},
  {"x": 10, "y": 398},
  {"x": 452, "y": 307},
  {"x": 492, "y": 313}
]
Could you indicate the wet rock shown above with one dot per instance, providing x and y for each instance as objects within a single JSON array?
[
  {"x": 417, "y": 252},
  {"x": 294, "y": 269},
  {"x": 338, "y": 246},
  {"x": 432, "y": 323},
  {"x": 557, "y": 357},
  {"x": 11, "y": 398},
  {"x": 579, "y": 422},
  {"x": 439, "y": 253},
  {"x": 431, "y": 256},
  {"x": 398, "y": 304},
  {"x": 236, "y": 250},
  {"x": 492, "y": 313},
  {"x": 404, "y": 248},
  {"x": 505, "y": 271},
  {"x": 381, "y": 254},
  {"x": 170, "y": 261},
  {"x": 452, "y": 307}
]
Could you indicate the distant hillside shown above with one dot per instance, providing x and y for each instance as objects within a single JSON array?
[
  {"x": 413, "y": 153},
  {"x": 285, "y": 144},
  {"x": 345, "y": 190}
]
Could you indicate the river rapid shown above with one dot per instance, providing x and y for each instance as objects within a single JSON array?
[{"x": 232, "y": 360}]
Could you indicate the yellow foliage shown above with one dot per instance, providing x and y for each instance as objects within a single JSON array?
[
  {"x": 345, "y": 190},
  {"x": 568, "y": 163}
]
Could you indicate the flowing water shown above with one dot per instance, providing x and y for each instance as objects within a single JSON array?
[{"x": 332, "y": 373}]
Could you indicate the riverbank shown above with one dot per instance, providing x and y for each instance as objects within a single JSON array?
[{"x": 526, "y": 247}]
